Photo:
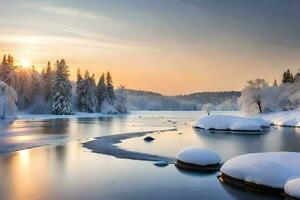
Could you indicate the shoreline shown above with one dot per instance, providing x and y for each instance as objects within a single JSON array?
[{"x": 107, "y": 145}]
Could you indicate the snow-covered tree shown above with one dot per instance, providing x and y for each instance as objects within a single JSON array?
[
  {"x": 101, "y": 90},
  {"x": 252, "y": 97},
  {"x": 8, "y": 98},
  {"x": 7, "y": 72},
  {"x": 62, "y": 90},
  {"x": 208, "y": 107},
  {"x": 110, "y": 89},
  {"x": 47, "y": 78},
  {"x": 23, "y": 89},
  {"x": 258, "y": 96},
  {"x": 227, "y": 105},
  {"x": 108, "y": 108},
  {"x": 287, "y": 77},
  {"x": 80, "y": 90},
  {"x": 86, "y": 92},
  {"x": 35, "y": 85},
  {"x": 121, "y": 100}
]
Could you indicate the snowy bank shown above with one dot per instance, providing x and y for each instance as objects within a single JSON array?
[
  {"x": 292, "y": 188},
  {"x": 197, "y": 158},
  {"x": 231, "y": 123},
  {"x": 272, "y": 169},
  {"x": 285, "y": 118},
  {"x": 25, "y": 116}
]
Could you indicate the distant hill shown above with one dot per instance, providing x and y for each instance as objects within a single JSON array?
[
  {"x": 210, "y": 97},
  {"x": 146, "y": 100}
]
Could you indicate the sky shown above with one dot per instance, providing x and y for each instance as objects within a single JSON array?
[{"x": 168, "y": 46}]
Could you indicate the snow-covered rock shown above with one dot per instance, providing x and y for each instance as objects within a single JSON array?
[
  {"x": 231, "y": 123},
  {"x": 198, "y": 156},
  {"x": 272, "y": 169},
  {"x": 161, "y": 163},
  {"x": 292, "y": 188}
]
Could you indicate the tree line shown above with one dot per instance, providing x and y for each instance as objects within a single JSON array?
[
  {"x": 51, "y": 90},
  {"x": 259, "y": 96}
]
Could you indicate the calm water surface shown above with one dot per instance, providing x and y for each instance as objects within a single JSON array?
[{"x": 66, "y": 170}]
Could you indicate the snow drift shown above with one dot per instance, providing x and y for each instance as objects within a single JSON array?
[
  {"x": 272, "y": 169},
  {"x": 286, "y": 118},
  {"x": 198, "y": 156},
  {"x": 231, "y": 123}
]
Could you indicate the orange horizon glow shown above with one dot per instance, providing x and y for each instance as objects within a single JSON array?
[{"x": 191, "y": 48}]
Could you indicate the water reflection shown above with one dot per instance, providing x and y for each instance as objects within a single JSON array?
[
  {"x": 241, "y": 193},
  {"x": 68, "y": 171}
]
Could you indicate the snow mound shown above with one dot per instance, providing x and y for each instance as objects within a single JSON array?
[
  {"x": 271, "y": 169},
  {"x": 292, "y": 188},
  {"x": 198, "y": 156},
  {"x": 231, "y": 123}
]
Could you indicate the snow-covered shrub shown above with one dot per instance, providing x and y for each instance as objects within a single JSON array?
[
  {"x": 208, "y": 107},
  {"x": 227, "y": 105},
  {"x": 108, "y": 108},
  {"x": 8, "y": 98},
  {"x": 121, "y": 100},
  {"x": 39, "y": 106}
]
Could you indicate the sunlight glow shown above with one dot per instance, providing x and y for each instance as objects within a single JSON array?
[
  {"x": 25, "y": 63},
  {"x": 24, "y": 156}
]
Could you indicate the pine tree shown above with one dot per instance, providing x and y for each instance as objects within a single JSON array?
[
  {"x": 35, "y": 85},
  {"x": 4, "y": 62},
  {"x": 47, "y": 78},
  {"x": 80, "y": 91},
  {"x": 287, "y": 77},
  {"x": 7, "y": 72},
  {"x": 23, "y": 89},
  {"x": 62, "y": 90},
  {"x": 88, "y": 100},
  {"x": 101, "y": 90},
  {"x": 121, "y": 100},
  {"x": 10, "y": 60},
  {"x": 110, "y": 89}
]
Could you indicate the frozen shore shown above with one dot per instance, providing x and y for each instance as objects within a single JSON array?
[
  {"x": 26, "y": 116},
  {"x": 284, "y": 118}
]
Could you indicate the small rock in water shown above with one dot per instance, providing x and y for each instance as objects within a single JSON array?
[
  {"x": 161, "y": 163},
  {"x": 149, "y": 139}
]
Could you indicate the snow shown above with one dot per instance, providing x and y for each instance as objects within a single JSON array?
[
  {"x": 271, "y": 169},
  {"x": 292, "y": 188},
  {"x": 198, "y": 156},
  {"x": 285, "y": 118},
  {"x": 25, "y": 116},
  {"x": 8, "y": 97},
  {"x": 231, "y": 123}
]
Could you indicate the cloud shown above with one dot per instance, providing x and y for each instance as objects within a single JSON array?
[{"x": 61, "y": 10}]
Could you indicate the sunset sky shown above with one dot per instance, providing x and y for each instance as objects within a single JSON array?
[{"x": 168, "y": 46}]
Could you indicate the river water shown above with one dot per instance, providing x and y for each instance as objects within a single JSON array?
[{"x": 62, "y": 169}]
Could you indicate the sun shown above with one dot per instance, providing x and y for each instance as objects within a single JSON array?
[{"x": 25, "y": 63}]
